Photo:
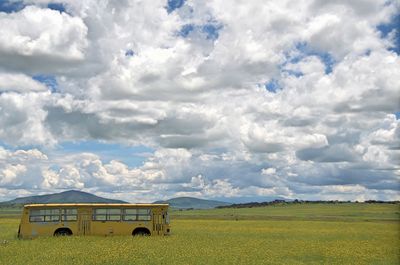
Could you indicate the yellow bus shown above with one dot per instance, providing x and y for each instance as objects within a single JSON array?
[{"x": 94, "y": 219}]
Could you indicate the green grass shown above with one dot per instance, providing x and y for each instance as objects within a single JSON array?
[
  {"x": 10, "y": 212},
  {"x": 354, "y": 234},
  {"x": 326, "y": 212}
]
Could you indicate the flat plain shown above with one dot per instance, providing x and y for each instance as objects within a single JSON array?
[{"x": 346, "y": 233}]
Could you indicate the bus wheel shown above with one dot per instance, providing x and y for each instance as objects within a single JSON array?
[
  {"x": 63, "y": 232},
  {"x": 141, "y": 232}
]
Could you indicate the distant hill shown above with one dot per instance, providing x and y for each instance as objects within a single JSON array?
[
  {"x": 296, "y": 201},
  {"x": 189, "y": 202},
  {"x": 71, "y": 196}
]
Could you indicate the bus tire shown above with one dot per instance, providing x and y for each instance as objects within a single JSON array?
[
  {"x": 141, "y": 231},
  {"x": 63, "y": 232}
]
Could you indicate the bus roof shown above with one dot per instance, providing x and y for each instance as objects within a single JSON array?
[{"x": 96, "y": 205}]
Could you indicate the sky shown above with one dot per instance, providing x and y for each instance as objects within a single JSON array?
[{"x": 237, "y": 101}]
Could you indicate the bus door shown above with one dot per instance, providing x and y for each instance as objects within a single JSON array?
[
  {"x": 84, "y": 220},
  {"x": 157, "y": 223}
]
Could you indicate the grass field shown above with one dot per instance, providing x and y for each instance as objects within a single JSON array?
[{"x": 282, "y": 234}]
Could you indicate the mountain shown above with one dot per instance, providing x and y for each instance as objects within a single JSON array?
[
  {"x": 71, "y": 196},
  {"x": 189, "y": 202}
]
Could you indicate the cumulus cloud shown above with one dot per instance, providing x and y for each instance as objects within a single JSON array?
[
  {"x": 38, "y": 39},
  {"x": 19, "y": 169},
  {"x": 268, "y": 171},
  {"x": 265, "y": 99},
  {"x": 21, "y": 119},
  {"x": 19, "y": 83}
]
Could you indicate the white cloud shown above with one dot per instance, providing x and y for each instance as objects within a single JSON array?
[
  {"x": 19, "y": 83},
  {"x": 10, "y": 173},
  {"x": 22, "y": 119},
  {"x": 20, "y": 168},
  {"x": 126, "y": 74},
  {"x": 37, "y": 39},
  {"x": 268, "y": 171}
]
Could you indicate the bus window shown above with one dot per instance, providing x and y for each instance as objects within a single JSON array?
[
  {"x": 114, "y": 214},
  {"x": 107, "y": 215},
  {"x": 36, "y": 218},
  {"x": 144, "y": 215},
  {"x": 100, "y": 215},
  {"x": 137, "y": 215},
  {"x": 130, "y": 214},
  {"x": 69, "y": 214},
  {"x": 44, "y": 215}
]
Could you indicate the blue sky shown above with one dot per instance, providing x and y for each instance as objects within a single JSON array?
[
  {"x": 392, "y": 26},
  {"x": 48, "y": 80},
  {"x": 305, "y": 50},
  {"x": 15, "y": 6},
  {"x": 11, "y": 6},
  {"x": 174, "y": 4},
  {"x": 149, "y": 100}
]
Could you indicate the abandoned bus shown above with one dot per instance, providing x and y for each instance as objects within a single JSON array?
[{"x": 94, "y": 219}]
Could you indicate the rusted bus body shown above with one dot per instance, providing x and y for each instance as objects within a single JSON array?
[{"x": 94, "y": 219}]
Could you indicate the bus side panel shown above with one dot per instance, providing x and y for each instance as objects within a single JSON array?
[
  {"x": 32, "y": 230},
  {"x": 109, "y": 228}
]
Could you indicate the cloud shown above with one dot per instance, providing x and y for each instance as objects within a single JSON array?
[
  {"x": 40, "y": 39},
  {"x": 9, "y": 174},
  {"x": 21, "y": 119},
  {"x": 337, "y": 153},
  {"x": 19, "y": 83},
  {"x": 268, "y": 171},
  {"x": 192, "y": 81},
  {"x": 19, "y": 169}
]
